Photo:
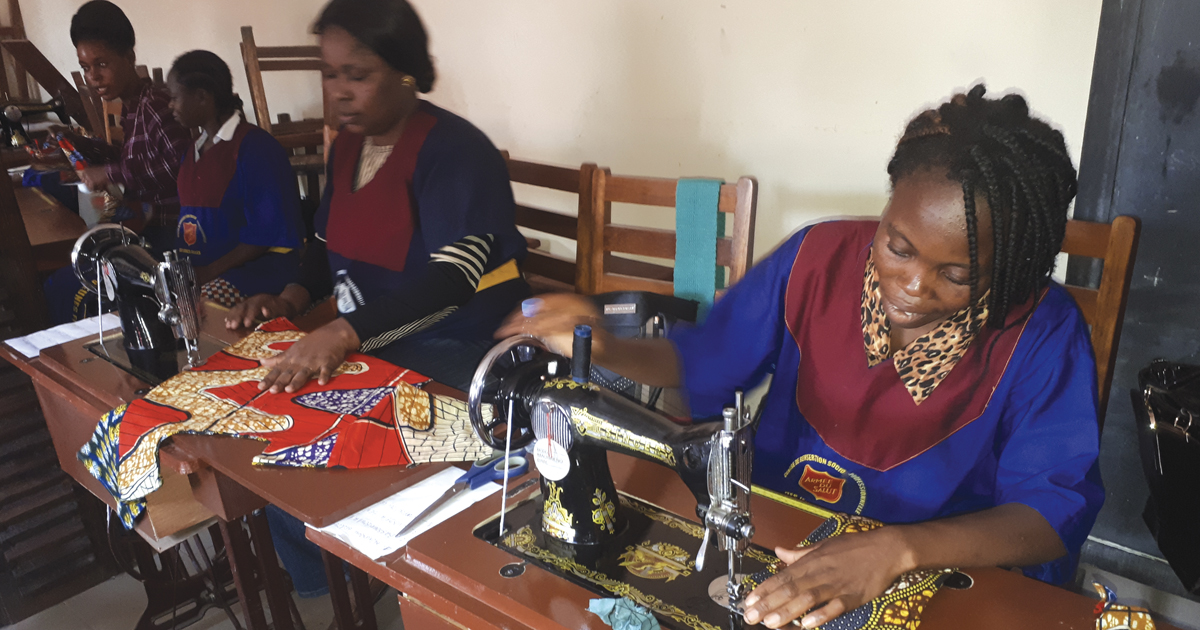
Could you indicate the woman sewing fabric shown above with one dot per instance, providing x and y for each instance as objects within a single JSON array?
[
  {"x": 927, "y": 372},
  {"x": 146, "y": 164},
  {"x": 416, "y": 233},
  {"x": 239, "y": 218},
  {"x": 415, "y": 236}
]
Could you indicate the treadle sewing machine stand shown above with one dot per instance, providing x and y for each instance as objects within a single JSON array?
[{"x": 579, "y": 527}]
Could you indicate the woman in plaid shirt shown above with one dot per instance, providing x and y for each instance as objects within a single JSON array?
[{"x": 147, "y": 163}]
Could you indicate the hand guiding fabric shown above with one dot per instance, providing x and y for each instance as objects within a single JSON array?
[
  {"x": 317, "y": 354},
  {"x": 827, "y": 579}
]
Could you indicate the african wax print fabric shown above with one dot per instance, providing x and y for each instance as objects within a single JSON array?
[
  {"x": 371, "y": 413},
  {"x": 898, "y": 608}
]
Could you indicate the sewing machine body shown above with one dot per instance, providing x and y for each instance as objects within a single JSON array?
[
  {"x": 158, "y": 302},
  {"x": 572, "y": 425}
]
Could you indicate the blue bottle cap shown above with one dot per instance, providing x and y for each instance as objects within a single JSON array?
[{"x": 530, "y": 307}]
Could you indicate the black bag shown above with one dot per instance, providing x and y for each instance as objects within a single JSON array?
[
  {"x": 638, "y": 314},
  {"x": 1167, "y": 407}
]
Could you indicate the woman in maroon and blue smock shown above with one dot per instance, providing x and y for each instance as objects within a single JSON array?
[
  {"x": 239, "y": 219},
  {"x": 927, "y": 371},
  {"x": 416, "y": 235}
]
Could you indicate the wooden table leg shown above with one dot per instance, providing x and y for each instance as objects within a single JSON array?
[
  {"x": 278, "y": 591},
  {"x": 343, "y": 614},
  {"x": 241, "y": 564},
  {"x": 366, "y": 600}
]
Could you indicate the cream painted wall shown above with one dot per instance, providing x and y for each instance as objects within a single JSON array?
[{"x": 808, "y": 96}]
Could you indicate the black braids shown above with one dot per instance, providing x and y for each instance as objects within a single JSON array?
[
  {"x": 1019, "y": 164},
  {"x": 968, "y": 187},
  {"x": 998, "y": 234}
]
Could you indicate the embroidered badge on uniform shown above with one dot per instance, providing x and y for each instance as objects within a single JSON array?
[{"x": 900, "y": 606}]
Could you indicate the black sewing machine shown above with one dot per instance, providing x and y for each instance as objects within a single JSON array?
[
  {"x": 579, "y": 527},
  {"x": 12, "y": 130},
  {"x": 158, "y": 302}
]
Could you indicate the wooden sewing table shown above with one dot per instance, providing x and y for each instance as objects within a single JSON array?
[
  {"x": 212, "y": 476},
  {"x": 448, "y": 578},
  {"x": 51, "y": 227}
]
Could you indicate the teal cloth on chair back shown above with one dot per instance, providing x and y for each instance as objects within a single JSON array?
[{"x": 698, "y": 224}]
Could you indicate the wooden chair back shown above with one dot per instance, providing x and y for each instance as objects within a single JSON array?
[
  {"x": 260, "y": 59},
  {"x": 93, "y": 106},
  {"x": 16, "y": 86},
  {"x": 302, "y": 137},
  {"x": 1104, "y": 307},
  {"x": 543, "y": 270},
  {"x": 600, "y": 271}
]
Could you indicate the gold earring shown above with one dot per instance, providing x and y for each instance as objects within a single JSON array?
[{"x": 409, "y": 81}]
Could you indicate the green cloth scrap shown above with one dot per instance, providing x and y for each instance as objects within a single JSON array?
[
  {"x": 623, "y": 614},
  {"x": 698, "y": 224}
]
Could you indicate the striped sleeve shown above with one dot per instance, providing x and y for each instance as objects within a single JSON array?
[
  {"x": 469, "y": 255},
  {"x": 447, "y": 282}
]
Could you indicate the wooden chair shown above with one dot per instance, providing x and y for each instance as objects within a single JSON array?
[
  {"x": 545, "y": 271},
  {"x": 16, "y": 87},
  {"x": 1104, "y": 307},
  {"x": 302, "y": 137},
  {"x": 599, "y": 271}
]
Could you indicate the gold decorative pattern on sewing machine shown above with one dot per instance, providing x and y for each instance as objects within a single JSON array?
[
  {"x": 666, "y": 518},
  {"x": 658, "y": 561},
  {"x": 605, "y": 513},
  {"x": 566, "y": 383},
  {"x": 556, "y": 520},
  {"x": 594, "y": 427},
  {"x": 523, "y": 541}
]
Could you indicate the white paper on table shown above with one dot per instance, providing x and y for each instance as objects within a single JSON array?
[
  {"x": 372, "y": 530},
  {"x": 31, "y": 345}
]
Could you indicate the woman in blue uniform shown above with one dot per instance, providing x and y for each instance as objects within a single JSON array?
[
  {"x": 927, "y": 372},
  {"x": 415, "y": 237},
  {"x": 239, "y": 218},
  {"x": 416, "y": 233}
]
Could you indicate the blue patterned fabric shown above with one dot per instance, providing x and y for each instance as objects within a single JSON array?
[{"x": 99, "y": 456}]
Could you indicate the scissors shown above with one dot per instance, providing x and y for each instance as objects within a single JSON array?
[{"x": 482, "y": 471}]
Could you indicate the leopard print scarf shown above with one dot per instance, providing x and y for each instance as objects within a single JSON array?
[{"x": 928, "y": 360}]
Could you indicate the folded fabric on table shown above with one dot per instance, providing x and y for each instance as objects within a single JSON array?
[
  {"x": 900, "y": 606},
  {"x": 370, "y": 414}
]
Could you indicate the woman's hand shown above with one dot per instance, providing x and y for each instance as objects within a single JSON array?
[
  {"x": 268, "y": 306},
  {"x": 94, "y": 177},
  {"x": 317, "y": 354},
  {"x": 829, "y": 578},
  {"x": 555, "y": 321}
]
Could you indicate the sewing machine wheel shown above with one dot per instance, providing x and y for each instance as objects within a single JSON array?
[
  {"x": 92, "y": 244},
  {"x": 489, "y": 388}
]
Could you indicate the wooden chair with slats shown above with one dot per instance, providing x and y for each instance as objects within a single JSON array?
[
  {"x": 1104, "y": 307},
  {"x": 601, "y": 270},
  {"x": 545, "y": 271},
  {"x": 302, "y": 137}
]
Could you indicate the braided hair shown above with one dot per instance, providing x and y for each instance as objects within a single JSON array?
[
  {"x": 204, "y": 70},
  {"x": 1014, "y": 161}
]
